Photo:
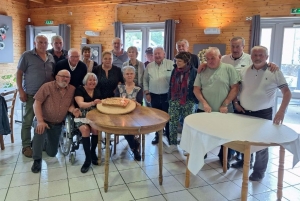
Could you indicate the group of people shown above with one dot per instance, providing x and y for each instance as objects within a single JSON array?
[{"x": 237, "y": 82}]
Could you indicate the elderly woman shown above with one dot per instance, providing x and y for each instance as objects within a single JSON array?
[
  {"x": 87, "y": 97},
  {"x": 133, "y": 92},
  {"x": 86, "y": 58},
  {"x": 109, "y": 76},
  {"x": 181, "y": 96},
  {"x": 139, "y": 66}
]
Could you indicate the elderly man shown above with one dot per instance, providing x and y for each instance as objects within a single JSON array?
[
  {"x": 119, "y": 55},
  {"x": 149, "y": 56},
  {"x": 52, "y": 102},
  {"x": 76, "y": 67},
  {"x": 57, "y": 51},
  {"x": 34, "y": 69},
  {"x": 183, "y": 46},
  {"x": 258, "y": 92},
  {"x": 156, "y": 84},
  {"x": 216, "y": 86}
]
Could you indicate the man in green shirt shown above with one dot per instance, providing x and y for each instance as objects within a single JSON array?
[{"x": 216, "y": 87}]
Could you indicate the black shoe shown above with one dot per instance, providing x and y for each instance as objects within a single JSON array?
[
  {"x": 256, "y": 176},
  {"x": 137, "y": 155},
  {"x": 94, "y": 158},
  {"x": 155, "y": 139},
  {"x": 36, "y": 166},
  {"x": 205, "y": 156},
  {"x": 85, "y": 167},
  {"x": 228, "y": 165},
  {"x": 238, "y": 156},
  {"x": 240, "y": 164}
]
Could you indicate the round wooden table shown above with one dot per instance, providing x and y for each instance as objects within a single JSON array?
[{"x": 142, "y": 120}]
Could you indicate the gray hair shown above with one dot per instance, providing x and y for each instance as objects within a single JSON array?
[
  {"x": 86, "y": 77},
  {"x": 39, "y": 36},
  {"x": 159, "y": 48},
  {"x": 213, "y": 50},
  {"x": 238, "y": 38},
  {"x": 260, "y": 48},
  {"x": 125, "y": 68},
  {"x": 116, "y": 38},
  {"x": 183, "y": 41},
  {"x": 73, "y": 50},
  {"x": 57, "y": 37}
]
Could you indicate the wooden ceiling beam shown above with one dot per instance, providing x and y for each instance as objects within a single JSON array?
[
  {"x": 38, "y": 1},
  {"x": 60, "y": 1}
]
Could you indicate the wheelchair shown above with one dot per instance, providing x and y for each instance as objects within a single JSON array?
[{"x": 70, "y": 139}]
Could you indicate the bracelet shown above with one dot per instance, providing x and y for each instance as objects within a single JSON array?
[{"x": 147, "y": 94}]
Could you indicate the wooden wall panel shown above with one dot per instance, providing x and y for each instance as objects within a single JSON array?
[
  {"x": 229, "y": 15},
  {"x": 19, "y": 14},
  {"x": 83, "y": 18}
]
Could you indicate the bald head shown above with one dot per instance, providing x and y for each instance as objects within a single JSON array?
[{"x": 63, "y": 78}]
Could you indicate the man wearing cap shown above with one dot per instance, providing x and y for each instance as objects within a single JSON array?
[
  {"x": 149, "y": 56},
  {"x": 119, "y": 55}
]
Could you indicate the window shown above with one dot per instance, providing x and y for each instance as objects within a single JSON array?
[
  {"x": 142, "y": 36},
  {"x": 47, "y": 31}
]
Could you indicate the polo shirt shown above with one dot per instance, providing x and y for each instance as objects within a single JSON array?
[
  {"x": 216, "y": 84},
  {"x": 36, "y": 71},
  {"x": 62, "y": 57},
  {"x": 119, "y": 60},
  {"x": 259, "y": 87},
  {"x": 157, "y": 77},
  {"x": 242, "y": 62}
]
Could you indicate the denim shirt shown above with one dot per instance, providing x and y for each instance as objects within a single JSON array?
[{"x": 4, "y": 123}]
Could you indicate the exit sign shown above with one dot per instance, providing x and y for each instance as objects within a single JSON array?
[
  {"x": 295, "y": 11},
  {"x": 49, "y": 22}
]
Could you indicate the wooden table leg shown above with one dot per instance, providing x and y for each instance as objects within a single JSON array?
[
  {"x": 143, "y": 146},
  {"x": 107, "y": 156},
  {"x": 160, "y": 160},
  {"x": 246, "y": 168},
  {"x": 187, "y": 172},
  {"x": 280, "y": 173},
  {"x": 225, "y": 153},
  {"x": 99, "y": 146}
]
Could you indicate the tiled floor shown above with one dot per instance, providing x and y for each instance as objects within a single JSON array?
[{"x": 131, "y": 180}]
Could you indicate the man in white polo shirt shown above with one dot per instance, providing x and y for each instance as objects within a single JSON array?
[
  {"x": 258, "y": 92},
  {"x": 157, "y": 77}
]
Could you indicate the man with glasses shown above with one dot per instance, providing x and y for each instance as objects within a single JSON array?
[
  {"x": 52, "y": 102},
  {"x": 34, "y": 69},
  {"x": 76, "y": 67},
  {"x": 119, "y": 55},
  {"x": 57, "y": 51}
]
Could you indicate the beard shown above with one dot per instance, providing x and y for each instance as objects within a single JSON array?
[{"x": 62, "y": 84}]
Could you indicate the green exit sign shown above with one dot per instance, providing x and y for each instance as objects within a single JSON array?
[
  {"x": 49, "y": 22},
  {"x": 295, "y": 11}
]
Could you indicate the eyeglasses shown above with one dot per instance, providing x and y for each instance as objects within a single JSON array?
[{"x": 64, "y": 76}]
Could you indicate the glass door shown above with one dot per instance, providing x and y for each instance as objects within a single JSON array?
[{"x": 282, "y": 37}]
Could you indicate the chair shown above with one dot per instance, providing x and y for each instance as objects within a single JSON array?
[{"x": 10, "y": 98}]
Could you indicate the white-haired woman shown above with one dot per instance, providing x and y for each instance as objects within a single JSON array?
[
  {"x": 87, "y": 97},
  {"x": 131, "y": 91}
]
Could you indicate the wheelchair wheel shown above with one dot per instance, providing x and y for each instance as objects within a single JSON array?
[
  {"x": 66, "y": 137},
  {"x": 72, "y": 158}
]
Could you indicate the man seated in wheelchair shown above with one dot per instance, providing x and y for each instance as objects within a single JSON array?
[
  {"x": 52, "y": 102},
  {"x": 87, "y": 97}
]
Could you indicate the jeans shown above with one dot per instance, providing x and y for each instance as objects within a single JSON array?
[
  {"x": 160, "y": 101},
  {"x": 27, "y": 121},
  {"x": 53, "y": 136}
]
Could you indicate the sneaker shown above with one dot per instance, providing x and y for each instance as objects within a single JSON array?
[
  {"x": 36, "y": 166},
  {"x": 170, "y": 149},
  {"x": 27, "y": 151}
]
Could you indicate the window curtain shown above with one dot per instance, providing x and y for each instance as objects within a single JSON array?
[
  {"x": 169, "y": 40},
  {"x": 64, "y": 31},
  {"x": 119, "y": 30},
  {"x": 255, "y": 32},
  {"x": 29, "y": 37}
]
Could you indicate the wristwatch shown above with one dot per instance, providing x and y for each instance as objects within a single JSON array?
[{"x": 224, "y": 104}]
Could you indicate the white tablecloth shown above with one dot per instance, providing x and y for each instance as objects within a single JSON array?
[{"x": 202, "y": 132}]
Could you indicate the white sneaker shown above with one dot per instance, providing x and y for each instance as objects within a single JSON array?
[
  {"x": 170, "y": 149},
  {"x": 185, "y": 153}
]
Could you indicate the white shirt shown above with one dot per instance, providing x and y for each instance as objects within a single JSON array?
[
  {"x": 259, "y": 87},
  {"x": 157, "y": 77},
  {"x": 72, "y": 67},
  {"x": 242, "y": 62}
]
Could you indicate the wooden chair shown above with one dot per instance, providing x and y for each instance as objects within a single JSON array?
[{"x": 10, "y": 98}]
